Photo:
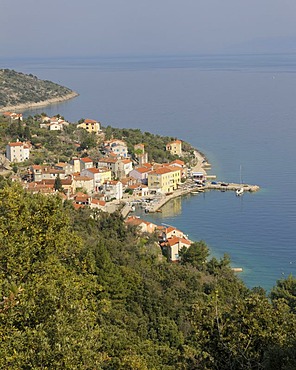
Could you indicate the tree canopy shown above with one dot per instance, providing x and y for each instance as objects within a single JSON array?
[{"x": 79, "y": 290}]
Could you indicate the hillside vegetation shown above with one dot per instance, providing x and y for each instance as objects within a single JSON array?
[
  {"x": 78, "y": 290},
  {"x": 18, "y": 88}
]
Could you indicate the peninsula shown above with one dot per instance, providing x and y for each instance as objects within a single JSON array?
[{"x": 21, "y": 91}]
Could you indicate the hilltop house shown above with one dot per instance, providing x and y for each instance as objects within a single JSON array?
[
  {"x": 175, "y": 147},
  {"x": 116, "y": 146},
  {"x": 53, "y": 123},
  {"x": 90, "y": 126},
  {"x": 13, "y": 116},
  {"x": 18, "y": 151}
]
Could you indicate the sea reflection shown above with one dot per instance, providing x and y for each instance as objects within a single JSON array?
[{"x": 172, "y": 208}]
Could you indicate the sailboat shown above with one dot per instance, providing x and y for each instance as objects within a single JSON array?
[{"x": 240, "y": 191}]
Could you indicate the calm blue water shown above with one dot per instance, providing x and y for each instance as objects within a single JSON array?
[{"x": 239, "y": 110}]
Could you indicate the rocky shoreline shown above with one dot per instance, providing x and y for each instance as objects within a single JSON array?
[{"x": 43, "y": 103}]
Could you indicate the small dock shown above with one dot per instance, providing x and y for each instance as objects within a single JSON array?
[
  {"x": 237, "y": 269},
  {"x": 231, "y": 186}
]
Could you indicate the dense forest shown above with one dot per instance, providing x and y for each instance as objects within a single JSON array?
[
  {"x": 19, "y": 88},
  {"x": 79, "y": 290}
]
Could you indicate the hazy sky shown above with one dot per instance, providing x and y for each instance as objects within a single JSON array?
[{"x": 136, "y": 27}]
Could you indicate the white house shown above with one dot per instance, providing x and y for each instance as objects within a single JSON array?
[
  {"x": 125, "y": 167},
  {"x": 116, "y": 146},
  {"x": 17, "y": 151},
  {"x": 174, "y": 245},
  {"x": 112, "y": 189}
]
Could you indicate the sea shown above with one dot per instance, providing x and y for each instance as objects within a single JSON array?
[{"x": 239, "y": 110}]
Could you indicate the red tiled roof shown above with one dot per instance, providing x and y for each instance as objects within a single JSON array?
[
  {"x": 175, "y": 240},
  {"x": 86, "y": 160},
  {"x": 178, "y": 161},
  {"x": 142, "y": 169},
  {"x": 107, "y": 160},
  {"x": 90, "y": 121},
  {"x": 18, "y": 143}
]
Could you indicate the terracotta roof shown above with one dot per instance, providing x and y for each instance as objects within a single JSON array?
[
  {"x": 111, "y": 182},
  {"x": 163, "y": 170},
  {"x": 18, "y": 143},
  {"x": 78, "y": 206},
  {"x": 142, "y": 169},
  {"x": 86, "y": 160},
  {"x": 107, "y": 160},
  {"x": 99, "y": 202},
  {"x": 178, "y": 161},
  {"x": 148, "y": 165},
  {"x": 93, "y": 170},
  {"x": 82, "y": 178},
  {"x": 175, "y": 240},
  {"x": 90, "y": 121},
  {"x": 61, "y": 164},
  {"x": 175, "y": 142}
]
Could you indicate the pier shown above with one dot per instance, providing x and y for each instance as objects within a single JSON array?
[
  {"x": 231, "y": 186},
  {"x": 195, "y": 188}
]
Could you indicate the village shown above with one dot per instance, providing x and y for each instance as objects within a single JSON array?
[{"x": 117, "y": 179}]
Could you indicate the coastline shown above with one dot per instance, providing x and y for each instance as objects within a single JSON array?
[
  {"x": 202, "y": 165},
  {"x": 40, "y": 104}
]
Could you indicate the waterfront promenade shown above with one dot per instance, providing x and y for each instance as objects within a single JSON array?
[{"x": 201, "y": 165}]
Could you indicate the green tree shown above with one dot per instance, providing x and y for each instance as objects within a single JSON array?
[
  {"x": 285, "y": 289},
  {"x": 48, "y": 303},
  {"x": 196, "y": 254},
  {"x": 58, "y": 184}
]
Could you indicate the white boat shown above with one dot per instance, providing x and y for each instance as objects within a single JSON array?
[{"x": 239, "y": 191}]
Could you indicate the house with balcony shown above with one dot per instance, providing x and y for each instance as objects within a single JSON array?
[
  {"x": 112, "y": 163},
  {"x": 116, "y": 146},
  {"x": 112, "y": 190},
  {"x": 139, "y": 190},
  {"x": 164, "y": 179},
  {"x": 99, "y": 176},
  {"x": 90, "y": 126}
]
